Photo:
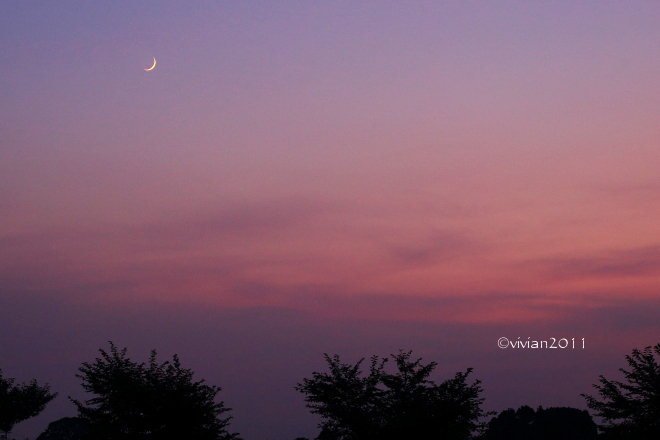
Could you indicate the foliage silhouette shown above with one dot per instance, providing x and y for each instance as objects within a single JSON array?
[
  {"x": 384, "y": 406},
  {"x": 153, "y": 401},
  {"x": 511, "y": 424},
  {"x": 543, "y": 424},
  {"x": 67, "y": 428},
  {"x": 20, "y": 402},
  {"x": 631, "y": 410}
]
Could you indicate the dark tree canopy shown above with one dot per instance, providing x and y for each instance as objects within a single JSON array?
[
  {"x": 67, "y": 428},
  {"x": 402, "y": 405},
  {"x": 148, "y": 401},
  {"x": 20, "y": 402},
  {"x": 631, "y": 409},
  {"x": 543, "y": 424}
]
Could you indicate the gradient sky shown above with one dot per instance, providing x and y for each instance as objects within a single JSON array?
[{"x": 297, "y": 177}]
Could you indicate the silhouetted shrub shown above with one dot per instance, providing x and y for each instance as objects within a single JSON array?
[
  {"x": 543, "y": 424},
  {"x": 67, "y": 428}
]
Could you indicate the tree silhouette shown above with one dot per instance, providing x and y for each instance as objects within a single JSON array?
[
  {"x": 20, "y": 402},
  {"x": 384, "y": 406},
  {"x": 631, "y": 410},
  {"x": 351, "y": 405},
  {"x": 543, "y": 424},
  {"x": 153, "y": 401},
  {"x": 66, "y": 428},
  {"x": 511, "y": 424},
  {"x": 564, "y": 424}
]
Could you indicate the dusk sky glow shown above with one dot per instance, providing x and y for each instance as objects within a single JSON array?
[{"x": 295, "y": 178}]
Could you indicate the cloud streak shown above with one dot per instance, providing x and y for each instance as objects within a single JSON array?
[{"x": 638, "y": 262}]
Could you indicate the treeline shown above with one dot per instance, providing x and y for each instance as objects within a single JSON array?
[{"x": 162, "y": 401}]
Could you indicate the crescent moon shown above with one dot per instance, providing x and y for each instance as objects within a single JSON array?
[{"x": 152, "y": 67}]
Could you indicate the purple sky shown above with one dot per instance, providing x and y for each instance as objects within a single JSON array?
[{"x": 295, "y": 178}]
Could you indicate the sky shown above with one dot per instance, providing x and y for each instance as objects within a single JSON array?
[{"x": 296, "y": 178}]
